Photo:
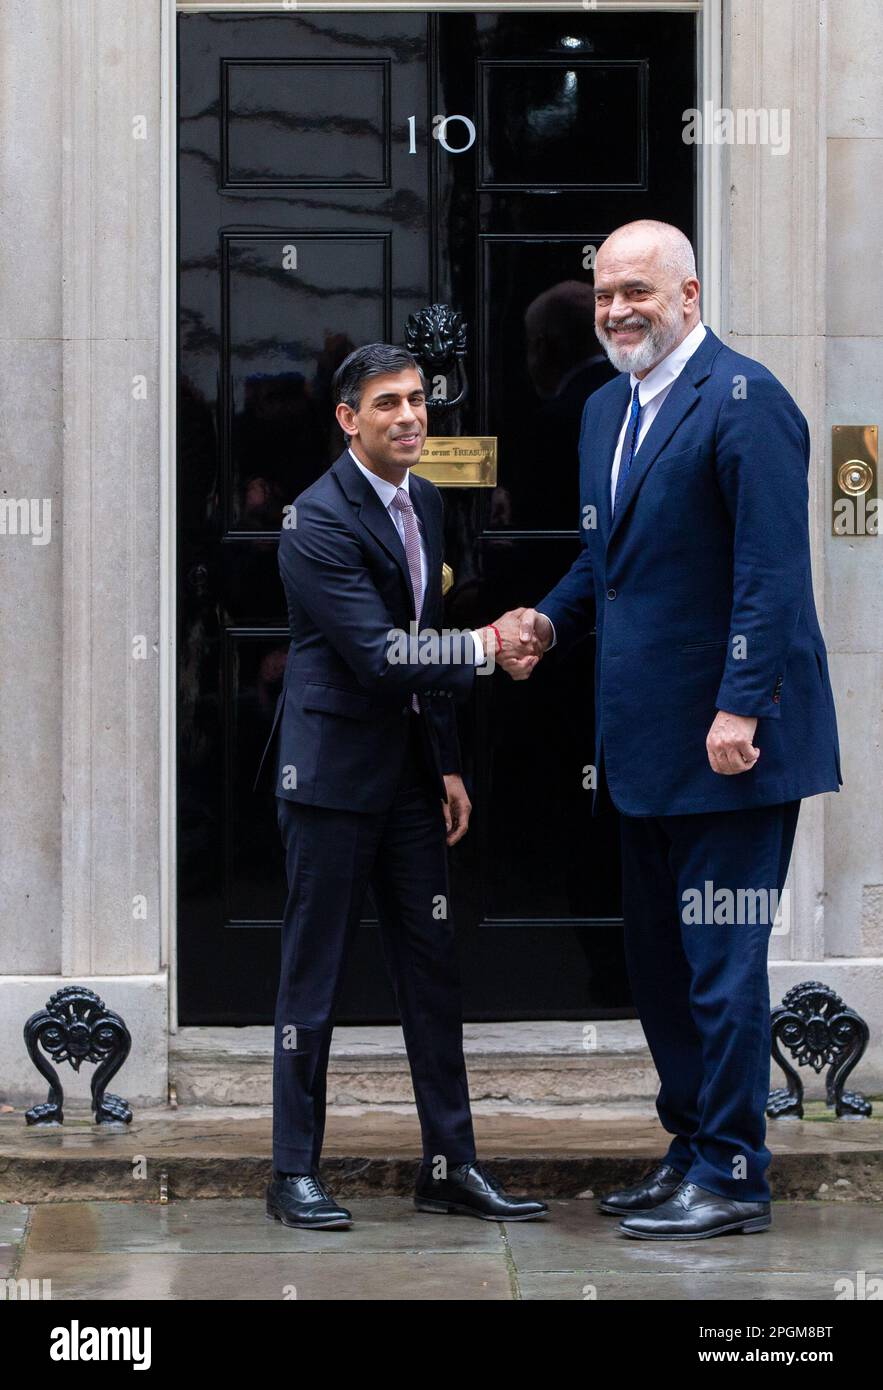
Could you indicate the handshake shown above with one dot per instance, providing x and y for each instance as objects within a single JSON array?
[{"x": 524, "y": 635}]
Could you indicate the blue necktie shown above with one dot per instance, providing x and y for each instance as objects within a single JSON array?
[{"x": 628, "y": 447}]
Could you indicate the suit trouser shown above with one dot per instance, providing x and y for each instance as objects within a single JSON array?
[
  {"x": 331, "y": 857},
  {"x": 697, "y": 962}
]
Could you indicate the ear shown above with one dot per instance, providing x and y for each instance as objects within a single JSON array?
[{"x": 346, "y": 418}]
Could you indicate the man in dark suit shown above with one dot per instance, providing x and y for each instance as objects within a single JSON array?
[
  {"x": 369, "y": 790},
  {"x": 714, "y": 711}
]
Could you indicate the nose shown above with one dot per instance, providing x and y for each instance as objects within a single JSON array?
[
  {"x": 406, "y": 413},
  {"x": 619, "y": 307}
]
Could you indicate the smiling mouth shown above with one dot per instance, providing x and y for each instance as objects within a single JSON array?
[
  {"x": 408, "y": 440},
  {"x": 621, "y": 330}
]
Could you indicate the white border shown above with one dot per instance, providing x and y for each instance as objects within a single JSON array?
[
  {"x": 709, "y": 202},
  {"x": 168, "y": 564}
]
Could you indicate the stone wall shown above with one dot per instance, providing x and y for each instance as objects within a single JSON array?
[{"x": 81, "y": 618}]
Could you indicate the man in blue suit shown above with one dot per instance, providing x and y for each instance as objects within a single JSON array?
[
  {"x": 714, "y": 711},
  {"x": 368, "y": 789}
]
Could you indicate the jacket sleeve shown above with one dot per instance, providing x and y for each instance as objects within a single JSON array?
[
  {"x": 323, "y": 568},
  {"x": 762, "y": 458},
  {"x": 444, "y": 717},
  {"x": 570, "y": 606}
]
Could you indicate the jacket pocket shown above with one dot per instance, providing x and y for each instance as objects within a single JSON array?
[
  {"x": 333, "y": 699},
  {"x": 683, "y": 459},
  {"x": 701, "y": 646}
]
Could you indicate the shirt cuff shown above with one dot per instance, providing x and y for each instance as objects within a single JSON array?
[
  {"x": 552, "y": 626},
  {"x": 480, "y": 658}
]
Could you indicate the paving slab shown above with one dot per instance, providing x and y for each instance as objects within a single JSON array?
[
  {"x": 228, "y": 1250},
  {"x": 241, "y": 1226},
  {"x": 13, "y": 1224},
  {"x": 13, "y": 1219},
  {"x": 804, "y": 1236},
  {"x": 684, "y": 1287},
  {"x": 341, "y": 1276}
]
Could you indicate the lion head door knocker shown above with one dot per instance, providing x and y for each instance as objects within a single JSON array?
[
  {"x": 76, "y": 1026},
  {"x": 817, "y": 1028},
  {"x": 436, "y": 336}
]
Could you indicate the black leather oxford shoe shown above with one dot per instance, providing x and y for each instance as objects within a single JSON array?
[
  {"x": 694, "y": 1214},
  {"x": 654, "y": 1187},
  {"x": 471, "y": 1191},
  {"x": 301, "y": 1200}
]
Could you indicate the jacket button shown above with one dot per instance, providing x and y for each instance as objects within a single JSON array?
[{"x": 611, "y": 593}]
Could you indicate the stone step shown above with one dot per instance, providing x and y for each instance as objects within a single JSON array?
[
  {"x": 582, "y": 1064},
  {"x": 554, "y": 1151}
]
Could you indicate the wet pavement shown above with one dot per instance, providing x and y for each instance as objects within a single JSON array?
[{"x": 227, "y": 1249}]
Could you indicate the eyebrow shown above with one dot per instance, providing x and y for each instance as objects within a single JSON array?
[
  {"x": 393, "y": 395},
  {"x": 629, "y": 285}
]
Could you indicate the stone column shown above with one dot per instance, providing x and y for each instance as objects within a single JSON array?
[
  {"x": 84, "y": 195},
  {"x": 774, "y": 306},
  {"x": 804, "y": 277}
]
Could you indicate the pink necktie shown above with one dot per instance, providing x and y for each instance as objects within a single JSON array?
[{"x": 402, "y": 503}]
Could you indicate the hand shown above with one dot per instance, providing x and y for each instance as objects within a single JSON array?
[
  {"x": 457, "y": 808},
  {"x": 525, "y": 635},
  {"x": 729, "y": 745}
]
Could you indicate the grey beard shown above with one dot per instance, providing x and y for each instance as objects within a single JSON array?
[{"x": 659, "y": 341}]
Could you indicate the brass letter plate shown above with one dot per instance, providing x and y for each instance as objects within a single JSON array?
[
  {"x": 458, "y": 461},
  {"x": 854, "y": 499}
]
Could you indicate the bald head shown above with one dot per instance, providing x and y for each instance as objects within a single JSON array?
[
  {"x": 646, "y": 293},
  {"x": 661, "y": 241}
]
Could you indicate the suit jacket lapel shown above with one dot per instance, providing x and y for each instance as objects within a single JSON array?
[
  {"x": 678, "y": 403},
  {"x": 372, "y": 514},
  {"x": 603, "y": 447}
]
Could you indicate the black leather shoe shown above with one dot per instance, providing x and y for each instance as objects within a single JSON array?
[
  {"x": 471, "y": 1191},
  {"x": 654, "y": 1187},
  {"x": 301, "y": 1200},
  {"x": 694, "y": 1214}
]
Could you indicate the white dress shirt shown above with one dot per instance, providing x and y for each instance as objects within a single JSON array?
[
  {"x": 386, "y": 492},
  {"x": 652, "y": 391}
]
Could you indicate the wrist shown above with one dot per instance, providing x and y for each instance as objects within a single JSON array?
[
  {"x": 544, "y": 630},
  {"x": 488, "y": 638}
]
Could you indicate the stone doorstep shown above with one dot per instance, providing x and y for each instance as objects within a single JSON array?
[
  {"x": 517, "y": 1063},
  {"x": 554, "y": 1151}
]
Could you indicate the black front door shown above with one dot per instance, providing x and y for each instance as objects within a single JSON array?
[{"x": 337, "y": 173}]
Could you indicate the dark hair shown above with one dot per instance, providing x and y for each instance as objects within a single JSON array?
[{"x": 376, "y": 359}]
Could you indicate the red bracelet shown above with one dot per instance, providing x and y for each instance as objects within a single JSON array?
[{"x": 496, "y": 632}]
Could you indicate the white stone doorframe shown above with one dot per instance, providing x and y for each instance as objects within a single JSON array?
[
  {"x": 710, "y": 210},
  {"x": 761, "y": 223}
]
